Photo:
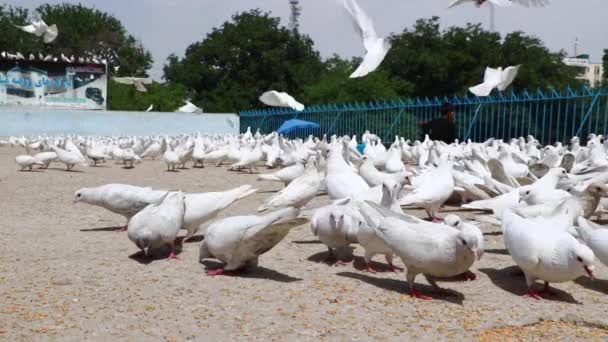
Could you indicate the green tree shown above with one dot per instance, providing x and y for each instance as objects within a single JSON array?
[
  {"x": 236, "y": 63},
  {"x": 165, "y": 97},
  {"x": 447, "y": 62},
  {"x": 335, "y": 87}
]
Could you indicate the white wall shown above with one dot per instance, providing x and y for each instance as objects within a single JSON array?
[{"x": 28, "y": 123}]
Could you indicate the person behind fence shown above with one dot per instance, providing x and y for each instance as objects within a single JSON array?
[{"x": 443, "y": 128}]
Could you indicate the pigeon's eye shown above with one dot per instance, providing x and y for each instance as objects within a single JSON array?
[
  {"x": 579, "y": 259},
  {"x": 563, "y": 172},
  {"x": 464, "y": 242},
  {"x": 78, "y": 195},
  {"x": 527, "y": 192}
]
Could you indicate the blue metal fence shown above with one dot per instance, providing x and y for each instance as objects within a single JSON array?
[{"x": 550, "y": 116}]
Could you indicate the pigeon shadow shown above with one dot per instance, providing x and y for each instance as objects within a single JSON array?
[
  {"x": 258, "y": 272},
  {"x": 496, "y": 233},
  {"x": 400, "y": 286},
  {"x": 497, "y": 251},
  {"x": 268, "y": 192},
  {"x": 307, "y": 242},
  {"x": 32, "y": 170},
  {"x": 599, "y": 285},
  {"x": 511, "y": 279},
  {"x": 172, "y": 171},
  {"x": 64, "y": 170},
  {"x": 160, "y": 254},
  {"x": 328, "y": 259},
  {"x": 195, "y": 239},
  {"x": 359, "y": 264},
  {"x": 104, "y": 229}
]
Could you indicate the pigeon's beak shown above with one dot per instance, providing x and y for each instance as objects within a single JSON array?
[
  {"x": 589, "y": 270},
  {"x": 475, "y": 252}
]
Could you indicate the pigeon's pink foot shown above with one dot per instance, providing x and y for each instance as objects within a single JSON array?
[
  {"x": 436, "y": 220},
  {"x": 173, "y": 256},
  {"x": 123, "y": 228},
  {"x": 415, "y": 294},
  {"x": 340, "y": 263},
  {"x": 533, "y": 294},
  {"x": 369, "y": 268},
  {"x": 395, "y": 269},
  {"x": 216, "y": 272}
]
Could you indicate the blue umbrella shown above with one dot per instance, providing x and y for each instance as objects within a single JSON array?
[{"x": 296, "y": 126}]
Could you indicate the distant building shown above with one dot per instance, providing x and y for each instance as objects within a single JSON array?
[{"x": 590, "y": 72}]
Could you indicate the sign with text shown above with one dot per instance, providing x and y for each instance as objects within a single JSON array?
[{"x": 25, "y": 83}]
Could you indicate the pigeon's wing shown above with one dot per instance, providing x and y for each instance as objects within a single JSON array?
[
  {"x": 51, "y": 34},
  {"x": 528, "y": 3},
  {"x": 362, "y": 21},
  {"x": 28, "y": 28},
  {"x": 502, "y": 3},
  {"x": 372, "y": 59},
  {"x": 139, "y": 85},
  {"x": 458, "y": 3},
  {"x": 124, "y": 80},
  {"x": 507, "y": 77},
  {"x": 272, "y": 98},
  {"x": 260, "y": 239},
  {"x": 293, "y": 104}
]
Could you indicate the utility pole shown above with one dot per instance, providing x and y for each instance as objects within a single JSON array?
[{"x": 294, "y": 19}]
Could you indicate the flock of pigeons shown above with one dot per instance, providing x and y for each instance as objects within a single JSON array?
[{"x": 541, "y": 196}]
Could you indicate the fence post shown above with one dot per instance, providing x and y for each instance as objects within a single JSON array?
[
  {"x": 580, "y": 128},
  {"x": 466, "y": 137}
]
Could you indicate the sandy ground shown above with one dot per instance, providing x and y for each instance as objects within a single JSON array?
[{"x": 66, "y": 274}]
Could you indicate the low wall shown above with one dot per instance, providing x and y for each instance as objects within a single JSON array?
[{"x": 106, "y": 123}]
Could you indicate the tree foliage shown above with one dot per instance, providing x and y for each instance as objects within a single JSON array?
[
  {"x": 447, "y": 62},
  {"x": 165, "y": 97},
  {"x": 236, "y": 63}
]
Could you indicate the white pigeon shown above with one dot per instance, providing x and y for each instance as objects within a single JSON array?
[
  {"x": 376, "y": 47},
  {"x": 203, "y": 207},
  {"x": 544, "y": 253},
  {"x": 285, "y": 175},
  {"x": 434, "y": 189},
  {"x": 189, "y": 107},
  {"x": 171, "y": 158},
  {"x": 158, "y": 224},
  {"x": 366, "y": 235},
  {"x": 122, "y": 199},
  {"x": 596, "y": 237},
  {"x": 279, "y": 99},
  {"x": 151, "y": 108},
  {"x": 335, "y": 227},
  {"x": 40, "y": 29},
  {"x": 27, "y": 161},
  {"x": 46, "y": 158},
  {"x": 96, "y": 155},
  {"x": 153, "y": 151},
  {"x": 435, "y": 250},
  {"x": 69, "y": 158},
  {"x": 138, "y": 82},
  {"x": 495, "y": 78},
  {"x": 298, "y": 193},
  {"x": 374, "y": 177},
  {"x": 239, "y": 241}
]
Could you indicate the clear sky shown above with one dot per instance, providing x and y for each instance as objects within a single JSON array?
[{"x": 169, "y": 26}]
